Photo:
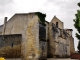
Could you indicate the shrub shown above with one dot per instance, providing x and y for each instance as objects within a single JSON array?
[{"x": 11, "y": 52}]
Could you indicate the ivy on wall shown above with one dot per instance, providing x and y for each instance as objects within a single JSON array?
[{"x": 41, "y": 17}]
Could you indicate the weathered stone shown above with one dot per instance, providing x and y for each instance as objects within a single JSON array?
[
  {"x": 1, "y": 27},
  {"x": 60, "y": 41},
  {"x": 39, "y": 41},
  {"x": 42, "y": 32},
  {"x": 10, "y": 46}
]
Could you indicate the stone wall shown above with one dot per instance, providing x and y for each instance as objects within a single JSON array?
[
  {"x": 28, "y": 26},
  {"x": 42, "y": 32},
  {"x": 1, "y": 27},
  {"x": 42, "y": 41},
  {"x": 43, "y": 50},
  {"x": 59, "y": 23},
  {"x": 59, "y": 42},
  {"x": 72, "y": 49},
  {"x": 47, "y": 30},
  {"x": 10, "y": 46},
  {"x": 32, "y": 35},
  {"x": 38, "y": 40},
  {"x": 51, "y": 42}
]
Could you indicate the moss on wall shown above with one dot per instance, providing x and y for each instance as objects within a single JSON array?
[{"x": 41, "y": 17}]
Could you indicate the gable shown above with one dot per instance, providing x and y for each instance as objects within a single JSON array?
[{"x": 57, "y": 22}]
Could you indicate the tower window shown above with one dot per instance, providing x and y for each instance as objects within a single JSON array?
[{"x": 57, "y": 24}]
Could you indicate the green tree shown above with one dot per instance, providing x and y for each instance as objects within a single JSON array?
[{"x": 77, "y": 26}]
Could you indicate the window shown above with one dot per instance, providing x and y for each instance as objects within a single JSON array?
[
  {"x": 12, "y": 45},
  {"x": 57, "y": 24}
]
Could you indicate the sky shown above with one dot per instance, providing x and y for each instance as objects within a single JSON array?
[{"x": 65, "y": 10}]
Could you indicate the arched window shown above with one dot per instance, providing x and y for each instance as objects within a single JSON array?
[{"x": 57, "y": 24}]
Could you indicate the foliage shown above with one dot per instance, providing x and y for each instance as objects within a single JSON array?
[
  {"x": 78, "y": 46},
  {"x": 11, "y": 52},
  {"x": 2, "y": 58},
  {"x": 41, "y": 17},
  {"x": 77, "y": 26}
]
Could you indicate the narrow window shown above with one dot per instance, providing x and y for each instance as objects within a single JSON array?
[
  {"x": 12, "y": 45},
  {"x": 57, "y": 24}
]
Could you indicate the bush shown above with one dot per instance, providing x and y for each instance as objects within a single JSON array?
[{"x": 11, "y": 52}]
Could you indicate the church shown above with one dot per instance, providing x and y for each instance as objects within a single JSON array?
[{"x": 30, "y": 36}]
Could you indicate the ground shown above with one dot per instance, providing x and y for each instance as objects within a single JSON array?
[{"x": 47, "y": 59}]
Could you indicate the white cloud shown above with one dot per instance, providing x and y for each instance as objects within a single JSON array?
[{"x": 28, "y": 5}]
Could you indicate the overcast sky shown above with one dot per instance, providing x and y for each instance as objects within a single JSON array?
[{"x": 63, "y": 9}]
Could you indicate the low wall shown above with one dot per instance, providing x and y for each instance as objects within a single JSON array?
[
  {"x": 75, "y": 56},
  {"x": 10, "y": 46},
  {"x": 14, "y": 59}
]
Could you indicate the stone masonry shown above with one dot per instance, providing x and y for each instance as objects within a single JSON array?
[
  {"x": 10, "y": 46},
  {"x": 61, "y": 42},
  {"x": 39, "y": 41}
]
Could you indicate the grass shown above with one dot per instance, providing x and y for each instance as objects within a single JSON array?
[{"x": 11, "y": 52}]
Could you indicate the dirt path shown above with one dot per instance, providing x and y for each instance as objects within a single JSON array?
[
  {"x": 62, "y": 59},
  {"x": 47, "y": 59}
]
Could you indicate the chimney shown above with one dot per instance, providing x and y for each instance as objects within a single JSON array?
[{"x": 4, "y": 26}]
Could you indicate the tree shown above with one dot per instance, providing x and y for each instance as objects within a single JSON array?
[{"x": 77, "y": 26}]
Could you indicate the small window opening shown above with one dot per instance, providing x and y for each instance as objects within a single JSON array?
[
  {"x": 12, "y": 45},
  {"x": 57, "y": 24}
]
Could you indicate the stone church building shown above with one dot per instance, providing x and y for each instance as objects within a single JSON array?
[{"x": 36, "y": 39}]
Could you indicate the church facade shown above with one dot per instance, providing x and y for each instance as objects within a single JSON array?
[{"x": 38, "y": 40}]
